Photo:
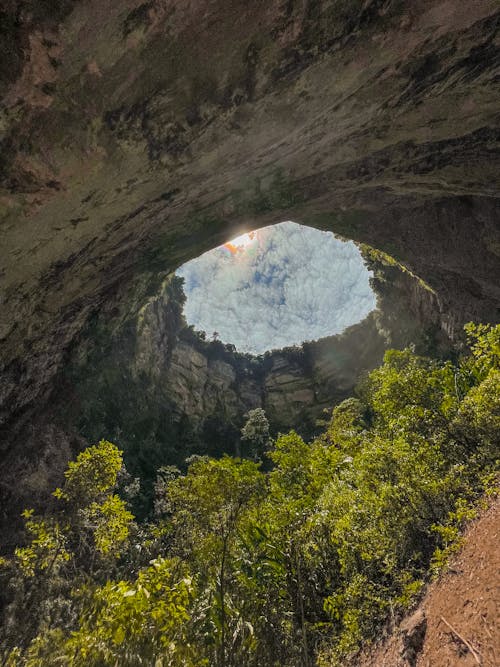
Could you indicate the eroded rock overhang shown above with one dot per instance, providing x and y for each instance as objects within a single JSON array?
[{"x": 136, "y": 135}]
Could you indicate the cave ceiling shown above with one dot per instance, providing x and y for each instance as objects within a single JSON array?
[{"x": 136, "y": 135}]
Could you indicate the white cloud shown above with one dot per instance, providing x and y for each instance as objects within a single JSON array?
[{"x": 290, "y": 284}]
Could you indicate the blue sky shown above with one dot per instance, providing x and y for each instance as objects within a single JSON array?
[{"x": 279, "y": 286}]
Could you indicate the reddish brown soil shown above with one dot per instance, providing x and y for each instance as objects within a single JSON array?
[{"x": 457, "y": 622}]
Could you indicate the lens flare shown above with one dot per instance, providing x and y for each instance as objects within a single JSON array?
[{"x": 241, "y": 243}]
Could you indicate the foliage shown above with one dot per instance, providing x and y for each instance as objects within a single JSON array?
[
  {"x": 255, "y": 433},
  {"x": 83, "y": 536},
  {"x": 292, "y": 565},
  {"x": 94, "y": 472},
  {"x": 128, "y": 623},
  {"x": 208, "y": 508},
  {"x": 484, "y": 343}
]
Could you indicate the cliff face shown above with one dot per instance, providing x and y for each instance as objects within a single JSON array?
[
  {"x": 135, "y": 135},
  {"x": 155, "y": 383}
]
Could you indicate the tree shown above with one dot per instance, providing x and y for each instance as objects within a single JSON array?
[
  {"x": 144, "y": 620},
  {"x": 83, "y": 536},
  {"x": 255, "y": 433},
  {"x": 208, "y": 506}
]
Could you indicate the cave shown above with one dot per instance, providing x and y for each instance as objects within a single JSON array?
[
  {"x": 136, "y": 136},
  {"x": 165, "y": 390},
  {"x": 117, "y": 170}
]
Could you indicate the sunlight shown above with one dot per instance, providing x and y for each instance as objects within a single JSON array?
[{"x": 241, "y": 243}]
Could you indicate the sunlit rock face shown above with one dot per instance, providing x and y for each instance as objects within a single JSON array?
[
  {"x": 159, "y": 384},
  {"x": 277, "y": 286}
]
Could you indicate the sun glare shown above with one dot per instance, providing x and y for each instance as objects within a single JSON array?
[{"x": 240, "y": 243}]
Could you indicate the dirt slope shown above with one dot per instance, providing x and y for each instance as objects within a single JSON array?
[{"x": 457, "y": 622}]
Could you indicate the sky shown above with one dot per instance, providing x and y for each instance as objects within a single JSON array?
[{"x": 279, "y": 286}]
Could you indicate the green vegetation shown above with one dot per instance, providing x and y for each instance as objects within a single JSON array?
[
  {"x": 255, "y": 434},
  {"x": 242, "y": 567}
]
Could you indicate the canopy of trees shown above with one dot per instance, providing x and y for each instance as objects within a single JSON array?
[{"x": 291, "y": 565}]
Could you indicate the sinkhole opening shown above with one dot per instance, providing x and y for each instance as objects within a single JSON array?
[{"x": 276, "y": 287}]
